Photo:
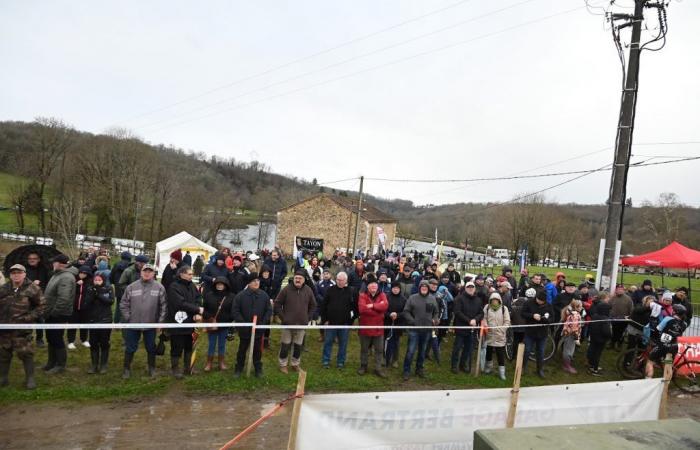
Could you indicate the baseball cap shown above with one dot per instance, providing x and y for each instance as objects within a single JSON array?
[
  {"x": 148, "y": 266},
  {"x": 19, "y": 267},
  {"x": 61, "y": 258},
  {"x": 470, "y": 284}
]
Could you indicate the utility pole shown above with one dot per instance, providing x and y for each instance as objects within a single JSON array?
[
  {"x": 359, "y": 216},
  {"x": 623, "y": 151}
]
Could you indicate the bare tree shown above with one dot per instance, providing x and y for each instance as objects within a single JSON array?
[
  {"x": 665, "y": 222},
  {"x": 69, "y": 214}
]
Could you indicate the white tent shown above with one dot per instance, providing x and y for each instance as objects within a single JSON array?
[{"x": 186, "y": 243}]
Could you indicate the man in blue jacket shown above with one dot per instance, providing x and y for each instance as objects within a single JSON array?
[{"x": 278, "y": 271}]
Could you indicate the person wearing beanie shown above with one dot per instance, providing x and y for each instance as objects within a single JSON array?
[
  {"x": 468, "y": 311},
  {"x": 647, "y": 288},
  {"x": 184, "y": 306},
  {"x": 600, "y": 332},
  {"x": 249, "y": 303},
  {"x": 98, "y": 307},
  {"x": 237, "y": 276},
  {"x": 169, "y": 273},
  {"x": 371, "y": 305},
  {"x": 114, "y": 278},
  {"x": 681, "y": 298},
  {"x": 294, "y": 306},
  {"x": 621, "y": 308},
  {"x": 186, "y": 258},
  {"x": 537, "y": 311},
  {"x": 214, "y": 270},
  {"x": 60, "y": 297},
  {"x": 218, "y": 304},
  {"x": 422, "y": 312},
  {"x": 392, "y": 316},
  {"x": 497, "y": 319},
  {"x": 83, "y": 292}
]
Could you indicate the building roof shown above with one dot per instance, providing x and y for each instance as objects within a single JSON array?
[{"x": 369, "y": 213}]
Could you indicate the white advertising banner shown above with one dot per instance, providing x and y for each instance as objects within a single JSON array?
[{"x": 422, "y": 420}]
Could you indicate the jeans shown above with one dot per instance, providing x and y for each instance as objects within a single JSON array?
[
  {"x": 392, "y": 346},
  {"x": 462, "y": 349},
  {"x": 417, "y": 341},
  {"x": 538, "y": 343},
  {"x": 217, "y": 341},
  {"x": 132, "y": 340},
  {"x": 328, "y": 339}
]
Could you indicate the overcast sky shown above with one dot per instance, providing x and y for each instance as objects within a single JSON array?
[{"x": 442, "y": 89}]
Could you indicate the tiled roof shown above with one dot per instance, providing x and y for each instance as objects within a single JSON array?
[{"x": 369, "y": 213}]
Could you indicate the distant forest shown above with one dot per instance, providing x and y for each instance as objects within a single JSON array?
[{"x": 115, "y": 184}]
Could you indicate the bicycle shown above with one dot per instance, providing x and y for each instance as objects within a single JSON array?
[
  {"x": 632, "y": 365},
  {"x": 549, "y": 346}
]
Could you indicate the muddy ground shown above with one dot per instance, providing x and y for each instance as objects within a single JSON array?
[{"x": 173, "y": 421}]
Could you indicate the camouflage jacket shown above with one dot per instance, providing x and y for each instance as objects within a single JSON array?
[{"x": 23, "y": 305}]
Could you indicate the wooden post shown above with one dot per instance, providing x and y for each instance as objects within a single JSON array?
[
  {"x": 668, "y": 373},
  {"x": 514, "y": 394},
  {"x": 249, "y": 359},
  {"x": 301, "y": 383},
  {"x": 477, "y": 368}
]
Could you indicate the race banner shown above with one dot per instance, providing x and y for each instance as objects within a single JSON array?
[
  {"x": 306, "y": 244},
  {"x": 447, "y": 419},
  {"x": 381, "y": 236}
]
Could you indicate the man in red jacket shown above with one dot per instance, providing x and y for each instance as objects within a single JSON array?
[{"x": 372, "y": 305}]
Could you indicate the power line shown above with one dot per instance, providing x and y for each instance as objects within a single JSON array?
[
  {"x": 298, "y": 60},
  {"x": 521, "y": 177},
  {"x": 333, "y": 65},
  {"x": 325, "y": 183},
  {"x": 379, "y": 66}
]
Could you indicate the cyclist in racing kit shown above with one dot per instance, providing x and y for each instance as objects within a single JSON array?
[{"x": 665, "y": 341}]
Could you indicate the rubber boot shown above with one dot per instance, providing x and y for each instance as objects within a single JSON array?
[
  {"x": 175, "y": 367},
  {"x": 94, "y": 360},
  {"x": 488, "y": 368},
  {"x": 61, "y": 358},
  {"x": 128, "y": 357},
  {"x": 540, "y": 369},
  {"x": 222, "y": 365},
  {"x": 5, "y": 367},
  {"x": 258, "y": 370},
  {"x": 210, "y": 361},
  {"x": 572, "y": 369},
  {"x": 187, "y": 368},
  {"x": 362, "y": 370},
  {"x": 380, "y": 373},
  {"x": 29, "y": 382},
  {"x": 502, "y": 372},
  {"x": 104, "y": 358},
  {"x": 152, "y": 365},
  {"x": 52, "y": 359}
]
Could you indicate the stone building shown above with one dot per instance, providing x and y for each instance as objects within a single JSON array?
[{"x": 332, "y": 218}]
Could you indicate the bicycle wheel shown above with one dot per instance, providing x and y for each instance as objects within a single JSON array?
[
  {"x": 686, "y": 379},
  {"x": 549, "y": 349},
  {"x": 629, "y": 365},
  {"x": 510, "y": 348}
]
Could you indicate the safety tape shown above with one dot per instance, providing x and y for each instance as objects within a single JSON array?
[{"x": 141, "y": 326}]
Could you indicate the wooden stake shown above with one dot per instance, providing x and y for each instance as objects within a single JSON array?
[
  {"x": 668, "y": 373},
  {"x": 510, "y": 422},
  {"x": 301, "y": 383},
  {"x": 249, "y": 359},
  {"x": 477, "y": 368}
]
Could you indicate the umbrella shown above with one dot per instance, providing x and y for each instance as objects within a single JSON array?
[{"x": 19, "y": 255}]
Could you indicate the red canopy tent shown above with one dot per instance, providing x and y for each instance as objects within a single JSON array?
[{"x": 674, "y": 256}]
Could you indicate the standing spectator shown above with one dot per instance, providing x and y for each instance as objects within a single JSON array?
[
  {"x": 516, "y": 318},
  {"x": 406, "y": 281},
  {"x": 144, "y": 301},
  {"x": 169, "y": 273},
  {"x": 218, "y": 304},
  {"x": 184, "y": 306},
  {"x": 278, "y": 268},
  {"x": 468, "y": 311},
  {"x": 249, "y": 303},
  {"x": 80, "y": 313},
  {"x": 213, "y": 271},
  {"x": 453, "y": 275},
  {"x": 508, "y": 273},
  {"x": 571, "y": 334},
  {"x": 622, "y": 306},
  {"x": 294, "y": 306},
  {"x": 600, "y": 333},
  {"x": 59, "y": 294},
  {"x": 646, "y": 289},
  {"x": 187, "y": 259},
  {"x": 114, "y": 278},
  {"x": 497, "y": 317},
  {"x": 132, "y": 273},
  {"x": 103, "y": 269},
  {"x": 98, "y": 306},
  {"x": 537, "y": 312},
  {"x": 421, "y": 311},
  {"x": 238, "y": 275},
  {"x": 38, "y": 274},
  {"x": 337, "y": 308},
  {"x": 198, "y": 266},
  {"x": 681, "y": 298},
  {"x": 21, "y": 301},
  {"x": 372, "y": 304},
  {"x": 393, "y": 316},
  {"x": 356, "y": 277}
]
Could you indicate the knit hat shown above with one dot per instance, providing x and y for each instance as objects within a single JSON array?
[
  {"x": 252, "y": 276},
  {"x": 424, "y": 283},
  {"x": 646, "y": 283},
  {"x": 142, "y": 258},
  {"x": 176, "y": 255},
  {"x": 371, "y": 278},
  {"x": 668, "y": 295},
  {"x": 61, "y": 258},
  {"x": 395, "y": 284},
  {"x": 582, "y": 285},
  {"x": 86, "y": 270},
  {"x": 301, "y": 273},
  {"x": 126, "y": 255},
  {"x": 220, "y": 257}
]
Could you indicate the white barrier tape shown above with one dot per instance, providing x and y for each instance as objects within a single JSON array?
[{"x": 140, "y": 326}]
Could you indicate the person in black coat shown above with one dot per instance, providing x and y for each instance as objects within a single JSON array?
[
  {"x": 337, "y": 308},
  {"x": 600, "y": 334},
  {"x": 217, "y": 308},
  {"x": 249, "y": 303},
  {"x": 170, "y": 271},
  {"x": 237, "y": 277},
  {"x": 98, "y": 306},
  {"x": 184, "y": 306},
  {"x": 82, "y": 292},
  {"x": 37, "y": 273},
  {"x": 393, "y": 316},
  {"x": 537, "y": 312},
  {"x": 468, "y": 311}
]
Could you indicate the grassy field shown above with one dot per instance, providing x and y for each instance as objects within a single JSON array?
[{"x": 77, "y": 386}]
